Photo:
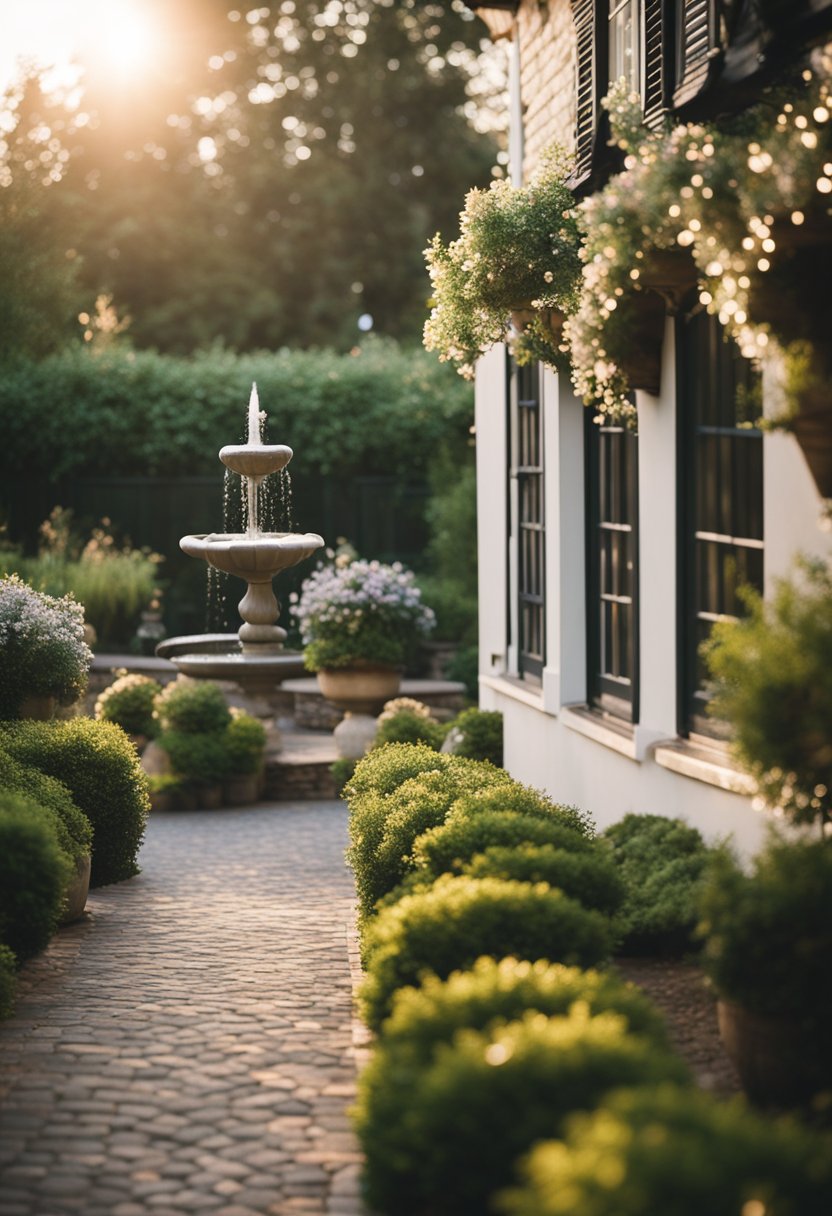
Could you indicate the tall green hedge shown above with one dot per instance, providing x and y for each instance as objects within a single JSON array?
[{"x": 124, "y": 413}]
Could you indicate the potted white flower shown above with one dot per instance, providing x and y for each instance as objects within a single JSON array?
[{"x": 44, "y": 659}]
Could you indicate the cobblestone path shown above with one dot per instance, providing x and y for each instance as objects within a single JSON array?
[{"x": 188, "y": 1047}]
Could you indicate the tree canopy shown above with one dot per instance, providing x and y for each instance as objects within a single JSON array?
[{"x": 276, "y": 175}]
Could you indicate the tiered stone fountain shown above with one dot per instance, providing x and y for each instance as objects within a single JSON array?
[{"x": 254, "y": 657}]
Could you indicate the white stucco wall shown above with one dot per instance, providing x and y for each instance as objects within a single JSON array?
[{"x": 549, "y": 742}]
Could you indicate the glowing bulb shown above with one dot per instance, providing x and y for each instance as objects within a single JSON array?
[
  {"x": 763, "y": 264},
  {"x": 674, "y": 210},
  {"x": 798, "y": 217},
  {"x": 713, "y": 269},
  {"x": 685, "y": 237},
  {"x": 809, "y": 139},
  {"x": 705, "y": 297},
  {"x": 769, "y": 245},
  {"x": 824, "y": 185},
  {"x": 820, "y": 114}
]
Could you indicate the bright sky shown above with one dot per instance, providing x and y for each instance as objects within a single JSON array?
[{"x": 50, "y": 31}]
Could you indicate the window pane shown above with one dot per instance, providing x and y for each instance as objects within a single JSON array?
[
  {"x": 625, "y": 44},
  {"x": 527, "y": 440}
]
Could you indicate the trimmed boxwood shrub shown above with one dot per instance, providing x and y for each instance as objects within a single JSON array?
[
  {"x": 8, "y": 981},
  {"x": 196, "y": 756},
  {"x": 405, "y": 726},
  {"x": 383, "y": 825},
  {"x": 649, "y": 1151},
  {"x": 486, "y": 1098},
  {"x": 129, "y": 702},
  {"x": 512, "y": 796},
  {"x": 34, "y": 871},
  {"x": 662, "y": 862},
  {"x": 196, "y": 707},
  {"x": 99, "y": 766},
  {"x": 383, "y": 769},
  {"x": 73, "y": 826},
  {"x": 245, "y": 743},
  {"x": 591, "y": 878},
  {"x": 458, "y": 919},
  {"x": 448, "y": 848},
  {"x": 481, "y": 735}
]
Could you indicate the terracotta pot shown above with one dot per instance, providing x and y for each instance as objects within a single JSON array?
[
  {"x": 775, "y": 1062},
  {"x": 359, "y": 689},
  {"x": 77, "y": 891},
  {"x": 39, "y": 706}
]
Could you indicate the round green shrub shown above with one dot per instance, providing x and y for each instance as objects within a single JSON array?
[
  {"x": 383, "y": 829},
  {"x": 196, "y": 707},
  {"x": 512, "y": 796},
  {"x": 98, "y": 764},
  {"x": 342, "y": 770},
  {"x": 8, "y": 981},
  {"x": 481, "y": 735},
  {"x": 245, "y": 743},
  {"x": 646, "y": 1151},
  {"x": 129, "y": 702},
  {"x": 383, "y": 769},
  {"x": 769, "y": 933},
  {"x": 408, "y": 727},
  {"x": 73, "y": 827},
  {"x": 34, "y": 871},
  {"x": 493, "y": 991},
  {"x": 591, "y": 878},
  {"x": 450, "y": 1142},
  {"x": 447, "y": 849},
  {"x": 458, "y": 919},
  {"x": 661, "y": 862},
  {"x": 197, "y": 756}
]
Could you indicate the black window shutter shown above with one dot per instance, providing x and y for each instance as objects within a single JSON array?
[
  {"x": 584, "y": 16},
  {"x": 697, "y": 46},
  {"x": 655, "y": 62}
]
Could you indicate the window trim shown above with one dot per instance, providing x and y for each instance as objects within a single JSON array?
[{"x": 529, "y": 667}]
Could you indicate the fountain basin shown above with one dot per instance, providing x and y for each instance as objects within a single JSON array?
[
  {"x": 255, "y": 460},
  {"x": 257, "y": 559},
  {"x": 219, "y": 656}
]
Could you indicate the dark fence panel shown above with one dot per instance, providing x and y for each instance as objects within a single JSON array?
[{"x": 382, "y": 517}]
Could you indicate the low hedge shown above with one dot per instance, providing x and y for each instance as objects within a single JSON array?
[
  {"x": 406, "y": 726},
  {"x": 195, "y": 756},
  {"x": 384, "y": 769},
  {"x": 661, "y": 862},
  {"x": 512, "y": 796},
  {"x": 452, "y": 1141},
  {"x": 8, "y": 981},
  {"x": 72, "y": 825},
  {"x": 383, "y": 827},
  {"x": 98, "y": 764},
  {"x": 34, "y": 871},
  {"x": 648, "y": 1151},
  {"x": 448, "y": 848},
  {"x": 591, "y": 878},
  {"x": 458, "y": 919},
  {"x": 481, "y": 735},
  {"x": 192, "y": 707}
]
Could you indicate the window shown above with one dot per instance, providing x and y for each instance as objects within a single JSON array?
[
  {"x": 526, "y": 525},
  {"x": 624, "y": 43},
  {"x": 721, "y": 479},
  {"x": 612, "y": 569}
]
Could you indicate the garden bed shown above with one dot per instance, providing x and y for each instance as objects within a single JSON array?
[{"x": 680, "y": 991}]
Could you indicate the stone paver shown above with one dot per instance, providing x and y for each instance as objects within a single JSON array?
[{"x": 188, "y": 1047}]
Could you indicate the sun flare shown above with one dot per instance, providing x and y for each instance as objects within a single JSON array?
[{"x": 119, "y": 36}]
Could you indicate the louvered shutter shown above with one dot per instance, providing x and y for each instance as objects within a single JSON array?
[
  {"x": 655, "y": 64},
  {"x": 586, "y": 85},
  {"x": 697, "y": 47}
]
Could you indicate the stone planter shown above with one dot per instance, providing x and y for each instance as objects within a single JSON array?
[
  {"x": 77, "y": 891},
  {"x": 361, "y": 692},
  {"x": 771, "y": 1054}
]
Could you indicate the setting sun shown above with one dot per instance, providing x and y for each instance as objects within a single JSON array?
[{"x": 119, "y": 35}]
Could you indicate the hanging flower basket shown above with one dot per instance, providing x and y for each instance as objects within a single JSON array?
[
  {"x": 641, "y": 360},
  {"x": 670, "y": 273}
]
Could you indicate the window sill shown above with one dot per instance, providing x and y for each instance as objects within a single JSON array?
[
  {"x": 702, "y": 763},
  {"x": 516, "y": 689},
  {"x": 618, "y": 736}
]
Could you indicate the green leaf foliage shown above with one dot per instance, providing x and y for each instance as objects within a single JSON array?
[
  {"x": 383, "y": 829},
  {"x": 768, "y": 933},
  {"x": 482, "y": 735},
  {"x": 773, "y": 671},
  {"x": 34, "y": 871},
  {"x": 453, "y": 1139},
  {"x": 382, "y": 770},
  {"x": 459, "y": 919},
  {"x": 129, "y": 702},
  {"x": 99, "y": 766},
  {"x": 384, "y": 411},
  {"x": 72, "y": 825},
  {"x": 661, "y": 862},
  {"x": 192, "y": 707},
  {"x": 666, "y": 1149},
  {"x": 522, "y": 799},
  {"x": 590, "y": 878},
  {"x": 408, "y": 727}
]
